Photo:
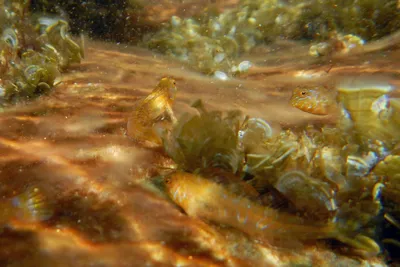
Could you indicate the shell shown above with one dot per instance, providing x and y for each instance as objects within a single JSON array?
[
  {"x": 332, "y": 165},
  {"x": 391, "y": 192},
  {"x": 255, "y": 131},
  {"x": 307, "y": 194},
  {"x": 33, "y": 52},
  {"x": 277, "y": 151},
  {"x": 291, "y": 150},
  {"x": 377, "y": 191},
  {"x": 244, "y": 66},
  {"x": 360, "y": 166},
  {"x": 10, "y": 37},
  {"x": 395, "y": 107},
  {"x": 57, "y": 37},
  {"x": 367, "y": 113},
  {"x": 360, "y": 97},
  {"x": 253, "y": 23},
  {"x": 336, "y": 44},
  {"x": 321, "y": 49},
  {"x": 389, "y": 167},
  {"x": 220, "y": 75},
  {"x": 34, "y": 74}
]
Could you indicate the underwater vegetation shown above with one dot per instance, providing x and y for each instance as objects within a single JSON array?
[
  {"x": 212, "y": 42},
  {"x": 218, "y": 145},
  {"x": 108, "y": 20},
  {"x": 294, "y": 186},
  {"x": 34, "y": 50}
]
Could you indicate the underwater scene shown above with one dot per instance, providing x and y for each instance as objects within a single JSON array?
[{"x": 199, "y": 133}]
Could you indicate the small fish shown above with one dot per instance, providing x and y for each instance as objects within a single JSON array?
[
  {"x": 30, "y": 206},
  {"x": 317, "y": 100},
  {"x": 152, "y": 109},
  {"x": 210, "y": 201},
  {"x": 207, "y": 200}
]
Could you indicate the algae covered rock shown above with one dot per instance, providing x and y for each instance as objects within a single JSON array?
[
  {"x": 34, "y": 49},
  {"x": 211, "y": 43}
]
